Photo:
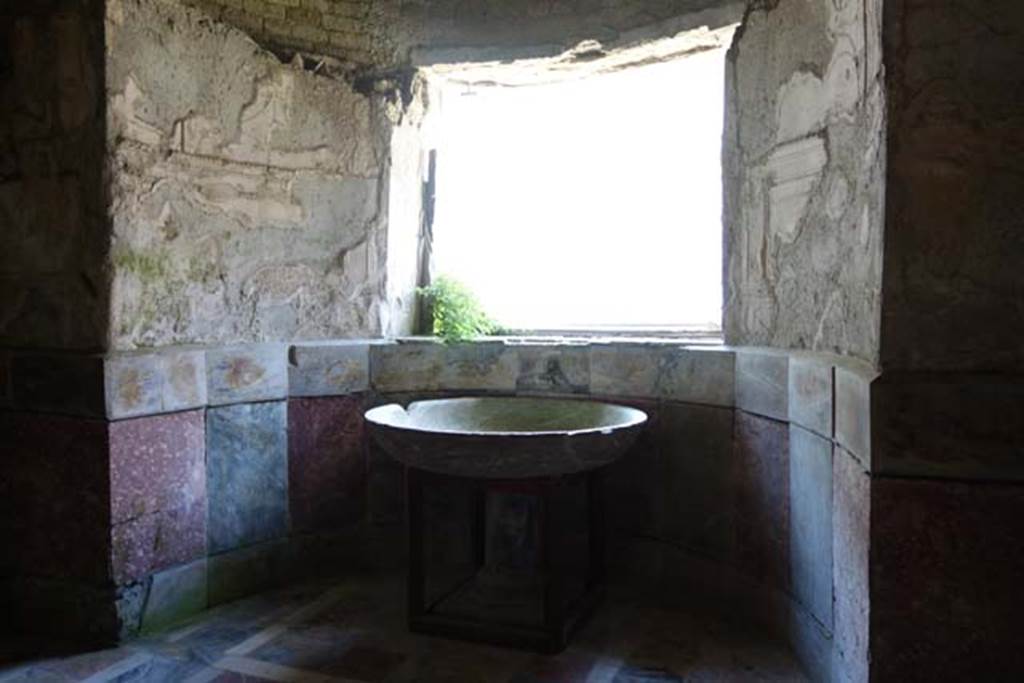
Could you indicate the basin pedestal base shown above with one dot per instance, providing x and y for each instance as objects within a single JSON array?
[{"x": 529, "y": 557}]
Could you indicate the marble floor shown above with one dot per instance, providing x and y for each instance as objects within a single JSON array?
[{"x": 353, "y": 630}]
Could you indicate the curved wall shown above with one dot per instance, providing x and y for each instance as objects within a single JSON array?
[
  {"x": 222, "y": 228},
  {"x": 256, "y": 199},
  {"x": 247, "y": 197},
  {"x": 746, "y": 494},
  {"x": 804, "y": 177}
]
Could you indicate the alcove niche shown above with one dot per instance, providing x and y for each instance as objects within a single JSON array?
[
  {"x": 579, "y": 193},
  {"x": 268, "y": 222}
]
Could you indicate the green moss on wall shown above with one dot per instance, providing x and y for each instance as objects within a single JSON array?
[{"x": 149, "y": 267}]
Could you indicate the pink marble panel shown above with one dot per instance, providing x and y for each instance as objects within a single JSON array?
[
  {"x": 947, "y": 560},
  {"x": 156, "y": 463},
  {"x": 158, "y": 493},
  {"x": 54, "y": 496},
  {"x": 762, "y": 498},
  {"x": 157, "y": 541},
  {"x": 851, "y": 528},
  {"x": 327, "y": 471}
]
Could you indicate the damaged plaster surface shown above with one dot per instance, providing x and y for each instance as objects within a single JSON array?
[
  {"x": 406, "y": 177},
  {"x": 443, "y": 31},
  {"x": 804, "y": 176},
  {"x": 586, "y": 60},
  {"x": 246, "y": 194},
  {"x": 53, "y": 227},
  {"x": 388, "y": 33}
]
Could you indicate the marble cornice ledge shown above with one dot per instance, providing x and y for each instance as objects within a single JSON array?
[
  {"x": 824, "y": 394},
  {"x": 128, "y": 384},
  {"x": 935, "y": 425},
  {"x": 654, "y": 370}
]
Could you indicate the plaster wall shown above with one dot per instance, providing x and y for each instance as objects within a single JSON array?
[
  {"x": 246, "y": 194},
  {"x": 407, "y": 175},
  {"x": 444, "y": 30},
  {"x": 388, "y": 33},
  {"x": 804, "y": 179},
  {"x": 253, "y": 199},
  {"x": 53, "y": 227}
]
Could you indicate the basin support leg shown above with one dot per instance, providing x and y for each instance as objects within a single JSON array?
[
  {"x": 563, "y": 610},
  {"x": 598, "y": 529},
  {"x": 414, "y": 512},
  {"x": 554, "y": 600},
  {"x": 479, "y": 522}
]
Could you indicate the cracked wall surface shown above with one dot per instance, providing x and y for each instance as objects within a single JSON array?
[
  {"x": 954, "y": 297},
  {"x": 246, "y": 194},
  {"x": 529, "y": 25},
  {"x": 53, "y": 227},
  {"x": 804, "y": 177},
  {"x": 385, "y": 33},
  {"x": 250, "y": 197}
]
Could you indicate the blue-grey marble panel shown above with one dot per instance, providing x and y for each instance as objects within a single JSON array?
[
  {"x": 810, "y": 393},
  {"x": 762, "y": 383},
  {"x": 247, "y": 474},
  {"x": 853, "y": 411},
  {"x": 810, "y": 522}
]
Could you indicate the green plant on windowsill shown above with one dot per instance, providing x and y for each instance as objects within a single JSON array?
[{"x": 457, "y": 315}]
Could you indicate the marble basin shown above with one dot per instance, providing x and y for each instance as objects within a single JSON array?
[{"x": 504, "y": 438}]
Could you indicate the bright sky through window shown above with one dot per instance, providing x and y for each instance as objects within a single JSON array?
[{"x": 594, "y": 203}]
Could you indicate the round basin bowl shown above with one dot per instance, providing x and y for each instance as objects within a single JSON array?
[{"x": 505, "y": 438}]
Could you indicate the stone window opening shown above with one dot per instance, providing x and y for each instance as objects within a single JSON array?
[{"x": 582, "y": 194}]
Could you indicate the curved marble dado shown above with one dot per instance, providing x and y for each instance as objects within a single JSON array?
[
  {"x": 803, "y": 388},
  {"x": 750, "y": 481}
]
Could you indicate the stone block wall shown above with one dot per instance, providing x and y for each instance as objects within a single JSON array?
[
  {"x": 809, "y": 485},
  {"x": 132, "y": 513},
  {"x": 97, "y": 508},
  {"x": 948, "y": 503},
  {"x": 954, "y": 227},
  {"x": 738, "y": 495},
  {"x": 760, "y": 509},
  {"x": 764, "y": 485},
  {"x": 53, "y": 225},
  {"x": 947, "y": 416},
  {"x": 948, "y": 558}
]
